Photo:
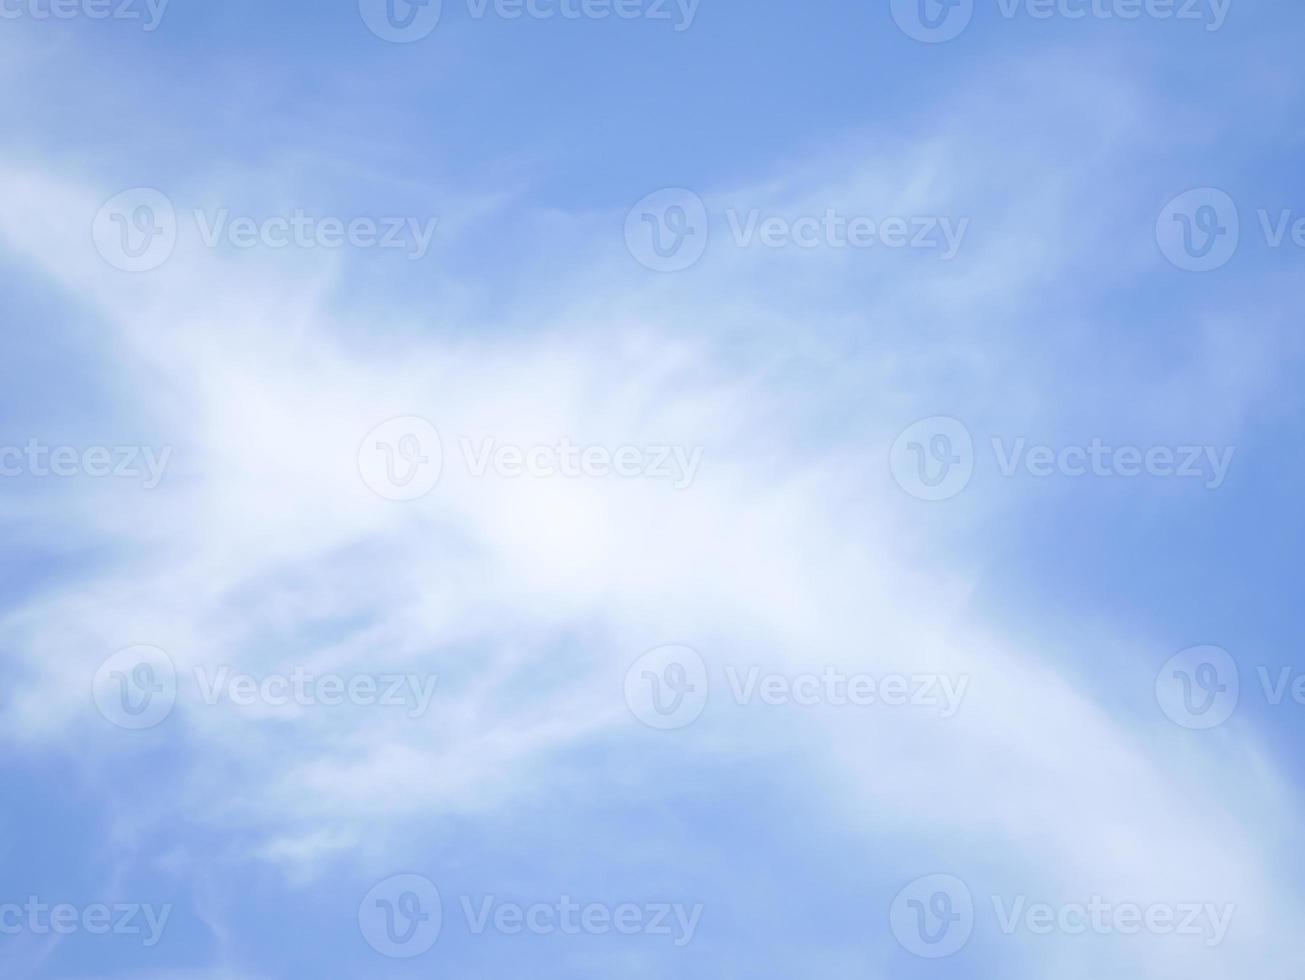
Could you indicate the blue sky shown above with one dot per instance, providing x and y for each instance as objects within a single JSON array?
[{"x": 623, "y": 512}]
